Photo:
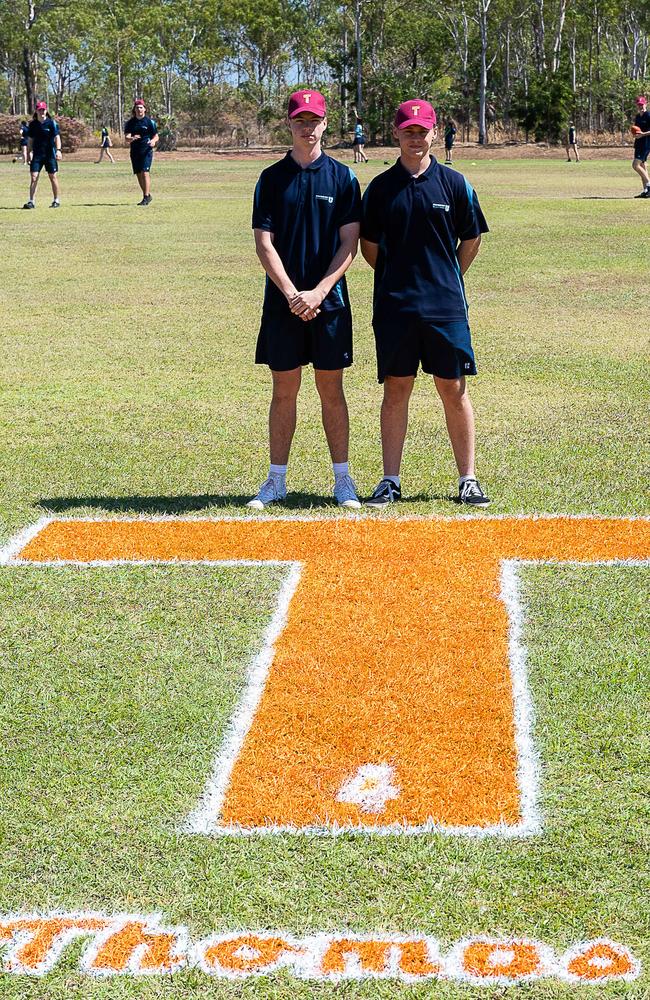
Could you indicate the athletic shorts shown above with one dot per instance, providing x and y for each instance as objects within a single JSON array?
[
  {"x": 443, "y": 349},
  {"x": 23, "y": 142},
  {"x": 642, "y": 148},
  {"x": 47, "y": 160},
  {"x": 286, "y": 342},
  {"x": 448, "y": 146},
  {"x": 142, "y": 163},
  {"x": 106, "y": 144}
]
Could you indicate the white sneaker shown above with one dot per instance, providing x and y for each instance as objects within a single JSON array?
[
  {"x": 270, "y": 491},
  {"x": 345, "y": 493}
]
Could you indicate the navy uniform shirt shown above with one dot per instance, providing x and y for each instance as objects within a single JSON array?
[
  {"x": 42, "y": 135},
  {"x": 572, "y": 134},
  {"x": 642, "y": 144},
  {"x": 304, "y": 208},
  {"x": 418, "y": 222},
  {"x": 145, "y": 128}
]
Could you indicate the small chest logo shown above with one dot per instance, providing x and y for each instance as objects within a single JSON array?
[
  {"x": 325, "y": 197},
  {"x": 438, "y": 204}
]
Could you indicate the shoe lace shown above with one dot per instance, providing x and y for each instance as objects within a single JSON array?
[{"x": 471, "y": 488}]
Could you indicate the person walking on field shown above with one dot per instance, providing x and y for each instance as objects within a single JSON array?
[
  {"x": 641, "y": 131},
  {"x": 421, "y": 229},
  {"x": 450, "y": 136},
  {"x": 358, "y": 143},
  {"x": 306, "y": 215},
  {"x": 44, "y": 149},
  {"x": 572, "y": 143},
  {"x": 141, "y": 132},
  {"x": 105, "y": 146},
  {"x": 24, "y": 144}
]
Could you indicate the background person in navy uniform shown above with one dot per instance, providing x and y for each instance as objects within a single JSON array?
[
  {"x": 24, "y": 144},
  {"x": 141, "y": 132},
  {"x": 359, "y": 142},
  {"x": 306, "y": 215},
  {"x": 450, "y": 135},
  {"x": 572, "y": 142},
  {"x": 105, "y": 146},
  {"x": 44, "y": 148},
  {"x": 420, "y": 231},
  {"x": 641, "y": 129}
]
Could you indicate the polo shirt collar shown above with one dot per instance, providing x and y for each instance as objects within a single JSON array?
[
  {"x": 316, "y": 165},
  {"x": 425, "y": 176}
]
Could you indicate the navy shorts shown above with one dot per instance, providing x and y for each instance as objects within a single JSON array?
[
  {"x": 286, "y": 342},
  {"x": 47, "y": 160},
  {"x": 443, "y": 349},
  {"x": 142, "y": 163},
  {"x": 642, "y": 148}
]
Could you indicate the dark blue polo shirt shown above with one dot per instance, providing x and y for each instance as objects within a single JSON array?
[
  {"x": 304, "y": 208},
  {"x": 642, "y": 145},
  {"x": 145, "y": 128},
  {"x": 418, "y": 222},
  {"x": 42, "y": 135}
]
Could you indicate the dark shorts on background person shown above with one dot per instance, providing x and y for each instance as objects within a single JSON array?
[
  {"x": 142, "y": 163},
  {"x": 642, "y": 149},
  {"x": 443, "y": 349},
  {"x": 47, "y": 160},
  {"x": 286, "y": 342}
]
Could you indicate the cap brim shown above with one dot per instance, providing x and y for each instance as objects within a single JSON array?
[
  {"x": 421, "y": 122},
  {"x": 298, "y": 111}
]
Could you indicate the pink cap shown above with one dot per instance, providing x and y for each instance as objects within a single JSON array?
[
  {"x": 415, "y": 113},
  {"x": 307, "y": 100},
  {"x": 640, "y": 100},
  {"x": 41, "y": 106}
]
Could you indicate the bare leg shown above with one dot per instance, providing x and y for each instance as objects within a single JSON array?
[
  {"x": 282, "y": 414},
  {"x": 101, "y": 155},
  {"x": 459, "y": 417},
  {"x": 642, "y": 171},
  {"x": 108, "y": 153},
  {"x": 334, "y": 410},
  {"x": 33, "y": 184},
  {"x": 146, "y": 183},
  {"x": 54, "y": 181},
  {"x": 394, "y": 421},
  {"x": 141, "y": 181}
]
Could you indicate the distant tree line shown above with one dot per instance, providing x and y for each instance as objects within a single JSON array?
[{"x": 499, "y": 67}]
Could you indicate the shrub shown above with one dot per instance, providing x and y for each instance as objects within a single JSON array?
[{"x": 73, "y": 133}]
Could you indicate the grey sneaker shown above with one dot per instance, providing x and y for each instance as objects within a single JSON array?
[
  {"x": 471, "y": 493},
  {"x": 345, "y": 493},
  {"x": 269, "y": 492}
]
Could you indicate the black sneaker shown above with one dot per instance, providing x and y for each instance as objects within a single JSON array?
[
  {"x": 29, "y": 204},
  {"x": 644, "y": 194},
  {"x": 148, "y": 198},
  {"x": 384, "y": 493},
  {"x": 471, "y": 493},
  {"x": 143, "y": 202}
]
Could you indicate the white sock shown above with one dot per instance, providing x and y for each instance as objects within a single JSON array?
[
  {"x": 393, "y": 479},
  {"x": 340, "y": 469},
  {"x": 278, "y": 472},
  {"x": 465, "y": 479}
]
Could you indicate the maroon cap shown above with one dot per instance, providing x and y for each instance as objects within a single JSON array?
[
  {"x": 415, "y": 113},
  {"x": 41, "y": 106},
  {"x": 307, "y": 100},
  {"x": 640, "y": 100},
  {"x": 139, "y": 102}
]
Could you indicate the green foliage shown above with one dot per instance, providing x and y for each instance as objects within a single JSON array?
[{"x": 546, "y": 109}]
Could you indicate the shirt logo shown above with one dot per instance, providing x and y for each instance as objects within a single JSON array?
[
  {"x": 325, "y": 197},
  {"x": 438, "y": 204}
]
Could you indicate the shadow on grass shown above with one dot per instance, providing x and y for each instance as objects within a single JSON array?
[
  {"x": 604, "y": 197},
  {"x": 184, "y": 504}
]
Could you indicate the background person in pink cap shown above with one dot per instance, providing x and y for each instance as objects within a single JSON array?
[
  {"x": 641, "y": 131},
  {"x": 306, "y": 214},
  {"x": 44, "y": 149},
  {"x": 420, "y": 231}
]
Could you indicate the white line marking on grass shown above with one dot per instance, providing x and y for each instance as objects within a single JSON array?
[
  {"x": 9, "y": 551},
  {"x": 204, "y": 817}
]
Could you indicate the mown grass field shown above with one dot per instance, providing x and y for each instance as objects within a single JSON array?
[{"x": 127, "y": 387}]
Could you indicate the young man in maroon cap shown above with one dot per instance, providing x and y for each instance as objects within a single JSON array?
[
  {"x": 420, "y": 231},
  {"x": 641, "y": 130},
  {"x": 44, "y": 146},
  {"x": 306, "y": 215}
]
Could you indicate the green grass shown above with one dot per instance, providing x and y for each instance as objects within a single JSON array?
[{"x": 127, "y": 384}]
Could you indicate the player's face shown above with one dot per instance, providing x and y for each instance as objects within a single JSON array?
[
  {"x": 41, "y": 114},
  {"x": 307, "y": 128},
  {"x": 140, "y": 111},
  {"x": 415, "y": 140}
]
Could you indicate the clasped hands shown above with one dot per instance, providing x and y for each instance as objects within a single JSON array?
[{"x": 306, "y": 304}]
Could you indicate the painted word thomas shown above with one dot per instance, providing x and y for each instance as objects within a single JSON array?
[{"x": 136, "y": 944}]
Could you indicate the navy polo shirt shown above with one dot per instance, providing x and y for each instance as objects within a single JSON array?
[
  {"x": 418, "y": 222},
  {"x": 304, "y": 208},
  {"x": 642, "y": 144},
  {"x": 42, "y": 135},
  {"x": 145, "y": 128}
]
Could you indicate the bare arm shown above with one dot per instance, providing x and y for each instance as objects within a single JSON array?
[
  {"x": 466, "y": 251},
  {"x": 305, "y": 303},
  {"x": 370, "y": 251},
  {"x": 270, "y": 261}
]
